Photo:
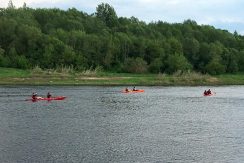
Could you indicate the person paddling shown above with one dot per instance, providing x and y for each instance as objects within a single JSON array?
[
  {"x": 126, "y": 89},
  {"x": 205, "y": 92},
  {"x": 34, "y": 96},
  {"x": 209, "y": 92},
  {"x": 134, "y": 89},
  {"x": 49, "y": 95}
]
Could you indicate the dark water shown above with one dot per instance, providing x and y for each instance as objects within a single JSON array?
[{"x": 100, "y": 124}]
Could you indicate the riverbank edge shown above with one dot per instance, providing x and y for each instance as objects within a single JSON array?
[
  {"x": 120, "y": 81},
  {"x": 9, "y": 76}
]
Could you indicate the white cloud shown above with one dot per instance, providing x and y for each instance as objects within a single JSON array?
[{"x": 3, "y": 3}]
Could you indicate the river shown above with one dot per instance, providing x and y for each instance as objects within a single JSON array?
[{"x": 101, "y": 124}]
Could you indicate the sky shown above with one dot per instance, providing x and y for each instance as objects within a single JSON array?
[{"x": 222, "y": 14}]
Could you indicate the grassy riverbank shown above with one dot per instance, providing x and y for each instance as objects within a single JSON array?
[{"x": 9, "y": 76}]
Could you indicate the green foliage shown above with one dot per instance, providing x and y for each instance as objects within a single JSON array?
[
  {"x": 153, "y": 51},
  {"x": 2, "y": 61},
  {"x": 241, "y": 61},
  {"x": 177, "y": 62},
  {"x": 214, "y": 67},
  {"x": 137, "y": 65},
  {"x": 22, "y": 62},
  {"x": 175, "y": 46},
  {"x": 230, "y": 58},
  {"x": 107, "y": 14},
  {"x": 53, "y": 38},
  {"x": 2, "y": 51},
  {"x": 14, "y": 73},
  {"x": 155, "y": 66},
  {"x": 10, "y": 4},
  {"x": 191, "y": 49}
]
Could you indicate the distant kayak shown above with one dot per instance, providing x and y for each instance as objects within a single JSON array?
[
  {"x": 211, "y": 94},
  {"x": 135, "y": 91},
  {"x": 48, "y": 99}
]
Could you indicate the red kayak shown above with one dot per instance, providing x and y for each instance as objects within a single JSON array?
[
  {"x": 211, "y": 94},
  {"x": 48, "y": 99},
  {"x": 135, "y": 91}
]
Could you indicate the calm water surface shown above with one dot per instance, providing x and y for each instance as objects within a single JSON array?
[{"x": 101, "y": 124}]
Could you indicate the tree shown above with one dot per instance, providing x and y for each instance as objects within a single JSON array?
[
  {"x": 152, "y": 51},
  {"x": 176, "y": 46},
  {"x": 204, "y": 57},
  {"x": 24, "y": 6},
  {"x": 7, "y": 32},
  {"x": 155, "y": 65},
  {"x": 1, "y": 51},
  {"x": 69, "y": 56},
  {"x": 47, "y": 56},
  {"x": 177, "y": 62},
  {"x": 137, "y": 48},
  {"x": 191, "y": 48},
  {"x": 53, "y": 37},
  {"x": 107, "y": 14},
  {"x": 22, "y": 62},
  {"x": 2, "y": 58},
  {"x": 125, "y": 44},
  {"x": 10, "y": 4},
  {"x": 230, "y": 58},
  {"x": 241, "y": 61},
  {"x": 137, "y": 65},
  {"x": 216, "y": 49},
  {"x": 214, "y": 67}
]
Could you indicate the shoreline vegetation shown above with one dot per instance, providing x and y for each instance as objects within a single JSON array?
[
  {"x": 52, "y": 38},
  {"x": 67, "y": 76}
]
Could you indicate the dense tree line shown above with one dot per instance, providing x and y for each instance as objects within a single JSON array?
[{"x": 52, "y": 37}]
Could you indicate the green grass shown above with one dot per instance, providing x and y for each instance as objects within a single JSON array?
[
  {"x": 11, "y": 72},
  {"x": 38, "y": 76},
  {"x": 231, "y": 79}
]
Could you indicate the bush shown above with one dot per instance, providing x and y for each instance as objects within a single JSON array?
[
  {"x": 177, "y": 62},
  {"x": 22, "y": 62},
  {"x": 137, "y": 65},
  {"x": 155, "y": 66},
  {"x": 214, "y": 67}
]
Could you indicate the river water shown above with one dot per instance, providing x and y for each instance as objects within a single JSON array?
[{"x": 101, "y": 124}]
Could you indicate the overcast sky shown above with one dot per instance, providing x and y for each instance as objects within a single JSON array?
[{"x": 223, "y": 14}]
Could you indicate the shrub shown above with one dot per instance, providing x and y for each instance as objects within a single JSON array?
[{"x": 137, "y": 65}]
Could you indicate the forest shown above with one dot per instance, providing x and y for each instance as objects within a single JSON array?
[{"x": 50, "y": 38}]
